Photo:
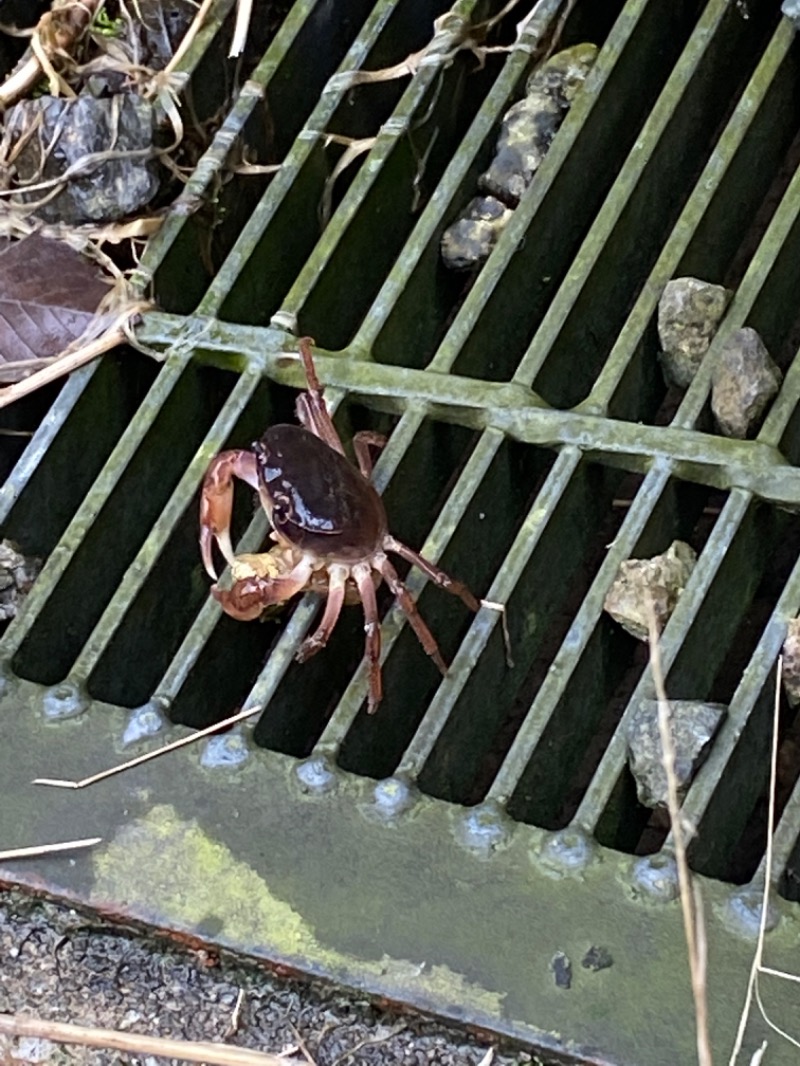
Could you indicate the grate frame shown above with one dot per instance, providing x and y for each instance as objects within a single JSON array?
[{"x": 316, "y": 861}]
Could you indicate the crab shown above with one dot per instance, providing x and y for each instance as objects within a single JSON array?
[{"x": 329, "y": 526}]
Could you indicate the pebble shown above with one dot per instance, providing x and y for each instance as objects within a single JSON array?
[
  {"x": 693, "y": 725},
  {"x": 658, "y": 581},
  {"x": 526, "y": 132},
  {"x": 744, "y": 381},
  {"x": 689, "y": 312}
]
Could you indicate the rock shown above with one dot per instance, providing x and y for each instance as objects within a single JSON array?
[
  {"x": 791, "y": 662},
  {"x": 526, "y": 133},
  {"x": 469, "y": 241},
  {"x": 528, "y": 128},
  {"x": 692, "y": 725},
  {"x": 660, "y": 580},
  {"x": 689, "y": 312},
  {"x": 743, "y": 382},
  {"x": 17, "y": 574},
  {"x": 70, "y": 130}
]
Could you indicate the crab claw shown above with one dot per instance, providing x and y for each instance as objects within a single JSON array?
[
  {"x": 258, "y": 584},
  {"x": 216, "y": 503}
]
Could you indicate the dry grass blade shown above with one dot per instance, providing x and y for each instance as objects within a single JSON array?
[
  {"x": 354, "y": 149},
  {"x": 185, "y": 1050},
  {"x": 188, "y": 37},
  {"x": 451, "y": 34},
  {"x": 58, "y": 782},
  {"x": 236, "y": 1016},
  {"x": 691, "y": 903},
  {"x": 244, "y": 11},
  {"x": 301, "y": 1044},
  {"x": 73, "y": 358},
  {"x": 369, "y": 1041},
  {"x": 501, "y": 609},
  {"x": 48, "y": 849}
]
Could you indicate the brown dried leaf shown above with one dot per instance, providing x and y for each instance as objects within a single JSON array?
[{"x": 49, "y": 296}]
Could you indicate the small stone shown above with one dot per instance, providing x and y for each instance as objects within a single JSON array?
[
  {"x": 17, "y": 575},
  {"x": 689, "y": 312},
  {"x": 744, "y": 380},
  {"x": 528, "y": 128},
  {"x": 791, "y": 662},
  {"x": 659, "y": 580},
  {"x": 468, "y": 242},
  {"x": 526, "y": 133},
  {"x": 561, "y": 968},
  {"x": 596, "y": 959},
  {"x": 693, "y": 725},
  {"x": 34, "y": 1049},
  {"x": 72, "y": 130},
  {"x": 565, "y": 72}
]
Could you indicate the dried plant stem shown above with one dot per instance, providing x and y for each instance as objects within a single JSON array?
[
  {"x": 189, "y": 36},
  {"x": 756, "y": 968},
  {"x": 74, "y": 357},
  {"x": 691, "y": 902},
  {"x": 186, "y": 1050},
  {"x": 61, "y": 365},
  {"x": 58, "y": 782},
  {"x": 244, "y": 11},
  {"x": 56, "y": 31},
  {"x": 48, "y": 849}
]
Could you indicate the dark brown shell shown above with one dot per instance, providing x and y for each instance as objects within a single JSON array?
[{"x": 317, "y": 500}]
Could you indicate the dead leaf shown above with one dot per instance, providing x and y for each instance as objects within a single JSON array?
[{"x": 49, "y": 296}]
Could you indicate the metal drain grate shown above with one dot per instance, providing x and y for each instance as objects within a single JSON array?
[{"x": 444, "y": 851}]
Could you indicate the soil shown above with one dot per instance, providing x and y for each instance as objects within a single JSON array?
[{"x": 58, "y": 964}]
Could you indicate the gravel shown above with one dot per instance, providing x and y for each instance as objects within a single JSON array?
[{"x": 58, "y": 964}]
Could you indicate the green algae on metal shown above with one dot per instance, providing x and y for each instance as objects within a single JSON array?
[{"x": 201, "y": 885}]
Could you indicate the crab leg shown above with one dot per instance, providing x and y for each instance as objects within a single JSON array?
[
  {"x": 362, "y": 442},
  {"x": 409, "y": 609},
  {"x": 312, "y": 411},
  {"x": 247, "y": 598},
  {"x": 362, "y": 573},
  {"x": 337, "y": 580},
  {"x": 216, "y": 502},
  {"x": 443, "y": 580}
]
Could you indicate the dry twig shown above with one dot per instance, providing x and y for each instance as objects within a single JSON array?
[
  {"x": 58, "y": 782},
  {"x": 186, "y": 1050},
  {"x": 691, "y": 902},
  {"x": 48, "y": 849}
]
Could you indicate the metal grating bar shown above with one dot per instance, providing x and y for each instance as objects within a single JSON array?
[
  {"x": 750, "y": 109},
  {"x": 148, "y": 553},
  {"x": 685, "y": 94},
  {"x": 108, "y": 478}
]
